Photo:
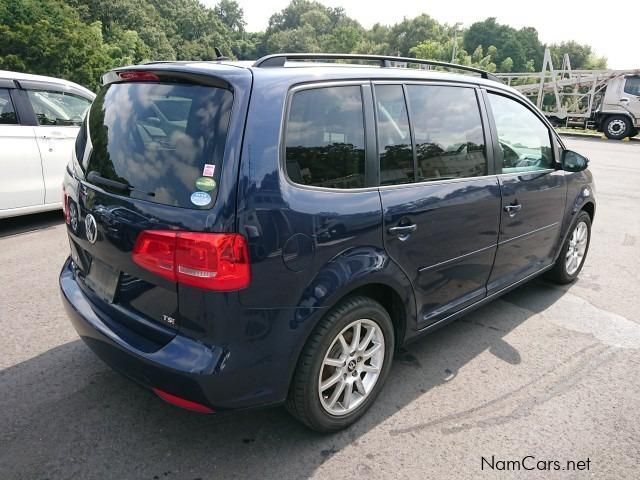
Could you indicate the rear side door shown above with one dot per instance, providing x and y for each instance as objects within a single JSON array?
[
  {"x": 59, "y": 115},
  {"x": 440, "y": 200},
  {"x": 533, "y": 190},
  {"x": 21, "y": 183}
]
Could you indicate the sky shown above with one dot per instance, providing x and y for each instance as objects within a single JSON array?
[{"x": 612, "y": 32}]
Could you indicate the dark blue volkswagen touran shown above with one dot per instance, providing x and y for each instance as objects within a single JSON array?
[{"x": 247, "y": 234}]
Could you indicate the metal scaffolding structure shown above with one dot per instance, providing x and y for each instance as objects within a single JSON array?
[{"x": 568, "y": 96}]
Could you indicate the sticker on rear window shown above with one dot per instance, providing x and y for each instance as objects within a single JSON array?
[
  {"x": 206, "y": 184},
  {"x": 208, "y": 170},
  {"x": 200, "y": 198}
]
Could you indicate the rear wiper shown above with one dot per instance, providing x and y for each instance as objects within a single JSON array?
[{"x": 96, "y": 178}]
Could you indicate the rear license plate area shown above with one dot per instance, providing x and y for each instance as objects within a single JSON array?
[{"x": 103, "y": 280}]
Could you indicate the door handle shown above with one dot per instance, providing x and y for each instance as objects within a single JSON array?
[
  {"x": 512, "y": 210},
  {"x": 403, "y": 231}
]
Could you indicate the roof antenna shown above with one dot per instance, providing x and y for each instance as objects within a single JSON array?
[{"x": 219, "y": 55}]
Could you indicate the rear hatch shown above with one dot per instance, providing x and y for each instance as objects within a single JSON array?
[{"x": 143, "y": 211}]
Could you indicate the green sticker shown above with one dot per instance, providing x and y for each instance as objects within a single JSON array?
[{"x": 206, "y": 184}]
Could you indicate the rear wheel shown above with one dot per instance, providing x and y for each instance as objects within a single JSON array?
[
  {"x": 573, "y": 253},
  {"x": 617, "y": 127},
  {"x": 343, "y": 366}
]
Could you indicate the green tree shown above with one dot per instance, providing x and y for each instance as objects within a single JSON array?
[
  {"x": 519, "y": 45},
  {"x": 48, "y": 37},
  {"x": 580, "y": 55},
  {"x": 410, "y": 32},
  {"x": 230, "y": 13},
  {"x": 307, "y": 26}
]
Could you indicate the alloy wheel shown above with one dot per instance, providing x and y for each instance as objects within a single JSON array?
[
  {"x": 577, "y": 248},
  {"x": 351, "y": 367}
]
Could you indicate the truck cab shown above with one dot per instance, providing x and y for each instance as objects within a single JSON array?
[{"x": 619, "y": 115}]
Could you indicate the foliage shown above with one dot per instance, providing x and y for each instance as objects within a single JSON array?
[
  {"x": 81, "y": 39},
  {"x": 581, "y": 56}
]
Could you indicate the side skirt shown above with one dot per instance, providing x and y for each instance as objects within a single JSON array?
[{"x": 470, "y": 308}]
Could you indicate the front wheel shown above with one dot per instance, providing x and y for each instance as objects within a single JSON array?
[
  {"x": 617, "y": 127},
  {"x": 574, "y": 252},
  {"x": 343, "y": 366}
]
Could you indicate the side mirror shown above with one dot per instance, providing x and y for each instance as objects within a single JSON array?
[{"x": 574, "y": 162}]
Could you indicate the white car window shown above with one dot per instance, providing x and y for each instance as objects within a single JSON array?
[{"x": 58, "y": 108}]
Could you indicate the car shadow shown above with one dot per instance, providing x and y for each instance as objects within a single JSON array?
[
  {"x": 65, "y": 414},
  {"x": 30, "y": 223}
]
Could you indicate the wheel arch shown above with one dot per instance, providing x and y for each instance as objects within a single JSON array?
[
  {"x": 390, "y": 299},
  {"x": 580, "y": 205},
  {"x": 380, "y": 279},
  {"x": 590, "y": 208}
]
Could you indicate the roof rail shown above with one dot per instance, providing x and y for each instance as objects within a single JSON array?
[{"x": 279, "y": 60}]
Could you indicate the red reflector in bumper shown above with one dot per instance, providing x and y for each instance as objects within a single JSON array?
[{"x": 182, "y": 402}]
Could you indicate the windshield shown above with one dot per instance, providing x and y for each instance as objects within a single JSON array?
[{"x": 159, "y": 142}]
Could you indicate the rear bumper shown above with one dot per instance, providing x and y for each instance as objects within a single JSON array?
[{"x": 183, "y": 367}]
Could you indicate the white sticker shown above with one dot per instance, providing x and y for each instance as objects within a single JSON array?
[
  {"x": 208, "y": 170},
  {"x": 200, "y": 198}
]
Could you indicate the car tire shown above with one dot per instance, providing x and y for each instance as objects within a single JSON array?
[
  {"x": 574, "y": 251},
  {"x": 617, "y": 127},
  {"x": 325, "y": 360}
]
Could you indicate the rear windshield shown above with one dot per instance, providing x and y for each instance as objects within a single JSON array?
[{"x": 159, "y": 142}]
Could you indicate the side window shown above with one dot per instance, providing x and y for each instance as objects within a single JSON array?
[
  {"x": 325, "y": 138},
  {"x": 7, "y": 112},
  {"x": 524, "y": 140},
  {"x": 448, "y": 130},
  {"x": 58, "y": 108},
  {"x": 632, "y": 85},
  {"x": 394, "y": 137}
]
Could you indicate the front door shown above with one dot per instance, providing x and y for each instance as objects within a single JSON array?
[
  {"x": 21, "y": 183},
  {"x": 441, "y": 206},
  {"x": 533, "y": 192},
  {"x": 59, "y": 116}
]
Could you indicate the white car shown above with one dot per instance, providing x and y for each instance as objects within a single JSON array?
[{"x": 39, "y": 120}]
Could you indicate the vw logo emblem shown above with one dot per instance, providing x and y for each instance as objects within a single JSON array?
[{"x": 91, "y": 228}]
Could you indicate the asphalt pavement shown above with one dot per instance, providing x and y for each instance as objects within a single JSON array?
[{"x": 545, "y": 374}]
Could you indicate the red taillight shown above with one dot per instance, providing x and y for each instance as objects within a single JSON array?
[
  {"x": 213, "y": 261},
  {"x": 182, "y": 402},
  {"x": 137, "y": 76},
  {"x": 65, "y": 206},
  {"x": 155, "y": 250}
]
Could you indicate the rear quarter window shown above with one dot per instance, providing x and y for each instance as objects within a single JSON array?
[
  {"x": 325, "y": 137},
  {"x": 160, "y": 140}
]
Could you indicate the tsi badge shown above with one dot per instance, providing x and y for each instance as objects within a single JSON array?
[
  {"x": 169, "y": 320},
  {"x": 91, "y": 228}
]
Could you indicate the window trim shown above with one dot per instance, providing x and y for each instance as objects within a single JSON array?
[
  {"x": 553, "y": 136},
  {"x": 484, "y": 120},
  {"x": 366, "y": 119},
  {"x": 376, "y": 136}
]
